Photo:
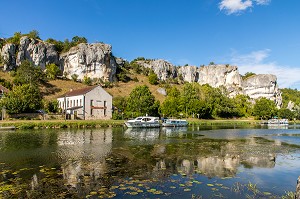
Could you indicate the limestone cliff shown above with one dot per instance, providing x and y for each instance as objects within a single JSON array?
[
  {"x": 38, "y": 52},
  {"x": 90, "y": 60},
  {"x": 161, "y": 68},
  {"x": 221, "y": 75},
  {"x": 263, "y": 85}
]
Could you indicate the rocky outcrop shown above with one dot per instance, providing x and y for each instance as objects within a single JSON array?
[
  {"x": 38, "y": 52},
  {"x": 258, "y": 86},
  {"x": 221, "y": 75},
  {"x": 161, "y": 68},
  {"x": 89, "y": 60},
  {"x": 8, "y": 54},
  {"x": 227, "y": 76},
  {"x": 188, "y": 73}
]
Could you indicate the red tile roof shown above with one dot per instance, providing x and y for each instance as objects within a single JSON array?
[{"x": 77, "y": 92}]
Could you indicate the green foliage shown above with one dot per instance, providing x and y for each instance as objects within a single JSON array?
[
  {"x": 153, "y": 79},
  {"x": 52, "y": 71},
  {"x": 290, "y": 95},
  {"x": 286, "y": 114},
  {"x": 87, "y": 80},
  {"x": 211, "y": 63},
  {"x": 74, "y": 77},
  {"x": 27, "y": 73},
  {"x": 243, "y": 104},
  {"x": 170, "y": 107},
  {"x": 6, "y": 83},
  {"x": 247, "y": 74},
  {"x": 64, "y": 46},
  {"x": 15, "y": 39},
  {"x": 77, "y": 40},
  {"x": 59, "y": 45},
  {"x": 34, "y": 34},
  {"x": 52, "y": 106},
  {"x": 264, "y": 109},
  {"x": 142, "y": 102},
  {"x": 25, "y": 98}
]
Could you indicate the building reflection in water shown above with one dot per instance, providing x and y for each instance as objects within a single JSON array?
[{"x": 84, "y": 153}]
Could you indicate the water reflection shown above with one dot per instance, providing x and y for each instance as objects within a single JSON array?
[
  {"x": 93, "y": 159},
  {"x": 85, "y": 153}
]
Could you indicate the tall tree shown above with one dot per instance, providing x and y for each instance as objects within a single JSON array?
[
  {"x": 27, "y": 73},
  {"x": 141, "y": 102},
  {"x": 25, "y": 98},
  {"x": 264, "y": 108}
]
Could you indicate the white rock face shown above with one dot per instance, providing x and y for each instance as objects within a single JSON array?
[
  {"x": 161, "y": 68},
  {"x": 38, "y": 52},
  {"x": 221, "y": 75},
  {"x": 8, "y": 54},
  {"x": 262, "y": 85},
  {"x": 90, "y": 60},
  {"x": 189, "y": 73}
]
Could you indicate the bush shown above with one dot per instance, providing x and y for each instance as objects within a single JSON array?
[
  {"x": 74, "y": 77},
  {"x": 87, "y": 80},
  {"x": 153, "y": 79}
]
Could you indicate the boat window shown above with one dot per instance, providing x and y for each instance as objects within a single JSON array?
[{"x": 139, "y": 118}]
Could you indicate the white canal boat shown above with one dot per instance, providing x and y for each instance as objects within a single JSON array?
[
  {"x": 143, "y": 122},
  {"x": 174, "y": 123}
]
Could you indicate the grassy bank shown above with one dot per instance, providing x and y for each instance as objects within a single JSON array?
[{"x": 40, "y": 124}]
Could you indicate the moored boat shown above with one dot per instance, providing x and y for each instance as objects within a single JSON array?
[
  {"x": 174, "y": 123},
  {"x": 278, "y": 122},
  {"x": 143, "y": 122}
]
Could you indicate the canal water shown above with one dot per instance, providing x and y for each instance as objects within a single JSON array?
[{"x": 193, "y": 162}]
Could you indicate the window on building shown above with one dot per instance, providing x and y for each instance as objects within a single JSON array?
[
  {"x": 91, "y": 111},
  {"x": 105, "y": 112},
  {"x": 80, "y": 102},
  {"x": 71, "y": 103},
  {"x": 91, "y": 102},
  {"x": 104, "y": 104},
  {"x": 68, "y": 103},
  {"x": 76, "y": 102}
]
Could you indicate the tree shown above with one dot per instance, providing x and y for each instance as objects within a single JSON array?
[
  {"x": 52, "y": 71},
  {"x": 87, "y": 80},
  {"x": 153, "y": 79},
  {"x": 264, "y": 108},
  {"x": 74, "y": 77},
  {"x": 27, "y": 73},
  {"x": 243, "y": 105},
  {"x": 142, "y": 102},
  {"x": 52, "y": 106},
  {"x": 15, "y": 39},
  {"x": 77, "y": 40},
  {"x": 34, "y": 34},
  {"x": 248, "y": 74},
  {"x": 24, "y": 98},
  {"x": 286, "y": 114}
]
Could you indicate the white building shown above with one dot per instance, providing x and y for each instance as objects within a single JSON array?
[{"x": 88, "y": 103}]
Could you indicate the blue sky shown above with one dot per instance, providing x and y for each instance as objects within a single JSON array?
[{"x": 261, "y": 36}]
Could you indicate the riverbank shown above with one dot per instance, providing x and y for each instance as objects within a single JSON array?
[{"x": 40, "y": 124}]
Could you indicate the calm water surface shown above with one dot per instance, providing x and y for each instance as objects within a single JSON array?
[{"x": 194, "y": 162}]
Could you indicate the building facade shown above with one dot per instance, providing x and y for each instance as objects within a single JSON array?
[{"x": 89, "y": 103}]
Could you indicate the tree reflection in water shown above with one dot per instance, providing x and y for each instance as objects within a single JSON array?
[{"x": 113, "y": 162}]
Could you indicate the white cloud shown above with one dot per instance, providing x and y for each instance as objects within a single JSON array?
[
  {"x": 287, "y": 76},
  {"x": 237, "y": 6}
]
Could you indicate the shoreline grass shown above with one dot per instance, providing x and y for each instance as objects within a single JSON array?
[{"x": 40, "y": 124}]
